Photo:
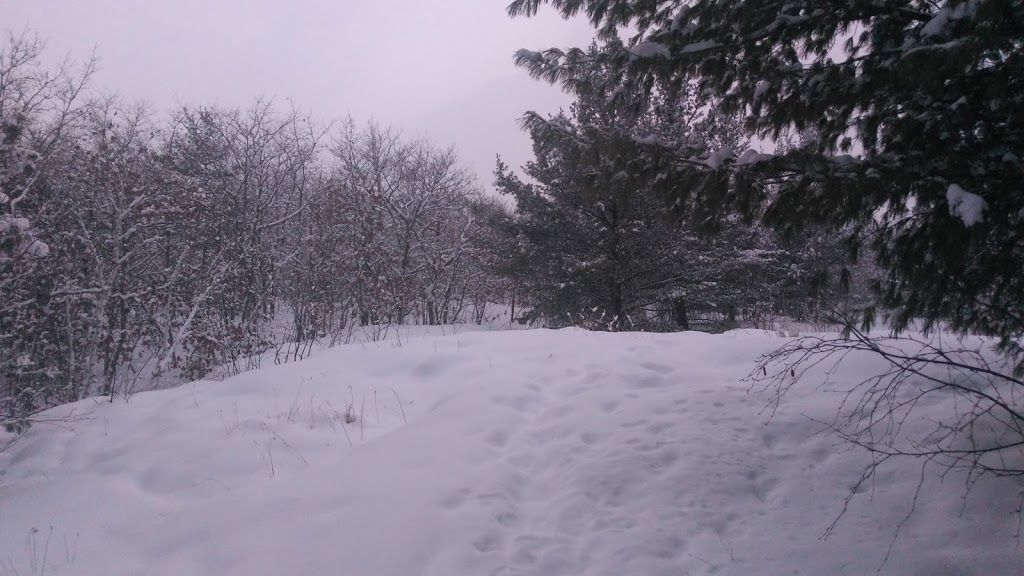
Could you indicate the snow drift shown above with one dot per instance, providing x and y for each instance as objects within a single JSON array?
[{"x": 539, "y": 452}]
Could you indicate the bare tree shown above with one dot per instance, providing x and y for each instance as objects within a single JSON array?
[
  {"x": 409, "y": 206},
  {"x": 256, "y": 169},
  {"x": 175, "y": 248},
  {"x": 39, "y": 105}
]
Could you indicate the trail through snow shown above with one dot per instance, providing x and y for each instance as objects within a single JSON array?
[{"x": 513, "y": 453}]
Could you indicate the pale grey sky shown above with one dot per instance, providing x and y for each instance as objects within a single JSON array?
[{"x": 441, "y": 68}]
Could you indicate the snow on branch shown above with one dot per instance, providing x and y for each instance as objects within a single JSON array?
[
  {"x": 650, "y": 50},
  {"x": 966, "y": 206}
]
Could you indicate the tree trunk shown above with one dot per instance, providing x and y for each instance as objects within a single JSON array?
[{"x": 680, "y": 314}]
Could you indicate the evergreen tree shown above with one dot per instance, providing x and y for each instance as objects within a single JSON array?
[
  {"x": 916, "y": 110},
  {"x": 590, "y": 240}
]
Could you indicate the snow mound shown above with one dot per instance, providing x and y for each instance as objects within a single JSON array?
[{"x": 513, "y": 453}]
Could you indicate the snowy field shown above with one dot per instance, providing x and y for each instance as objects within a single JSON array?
[{"x": 485, "y": 453}]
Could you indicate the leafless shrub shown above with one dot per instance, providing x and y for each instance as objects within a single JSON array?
[{"x": 950, "y": 402}]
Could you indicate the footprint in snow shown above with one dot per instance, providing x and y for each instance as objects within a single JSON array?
[
  {"x": 507, "y": 518},
  {"x": 489, "y": 542},
  {"x": 662, "y": 461},
  {"x": 763, "y": 489},
  {"x": 648, "y": 382},
  {"x": 432, "y": 367},
  {"x": 822, "y": 452},
  {"x": 662, "y": 369},
  {"x": 558, "y": 412},
  {"x": 636, "y": 423},
  {"x": 660, "y": 427},
  {"x": 522, "y": 460},
  {"x": 456, "y": 499},
  {"x": 497, "y": 438},
  {"x": 545, "y": 435},
  {"x": 517, "y": 403}
]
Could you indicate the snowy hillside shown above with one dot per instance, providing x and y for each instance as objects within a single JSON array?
[{"x": 532, "y": 453}]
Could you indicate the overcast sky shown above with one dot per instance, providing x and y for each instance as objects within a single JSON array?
[{"x": 441, "y": 68}]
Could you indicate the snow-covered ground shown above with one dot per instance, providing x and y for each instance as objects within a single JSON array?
[{"x": 479, "y": 453}]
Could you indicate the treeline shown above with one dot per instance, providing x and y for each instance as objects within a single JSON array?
[{"x": 137, "y": 249}]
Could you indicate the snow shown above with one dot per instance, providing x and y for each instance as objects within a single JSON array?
[
  {"x": 520, "y": 452},
  {"x": 699, "y": 46},
  {"x": 650, "y": 50},
  {"x": 680, "y": 18},
  {"x": 26, "y": 244},
  {"x": 937, "y": 25},
  {"x": 37, "y": 249},
  {"x": 762, "y": 87},
  {"x": 650, "y": 139},
  {"x": 524, "y": 54},
  {"x": 966, "y": 206},
  {"x": 844, "y": 160},
  {"x": 944, "y": 17},
  {"x": 717, "y": 157},
  {"x": 9, "y": 223},
  {"x": 752, "y": 156}
]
